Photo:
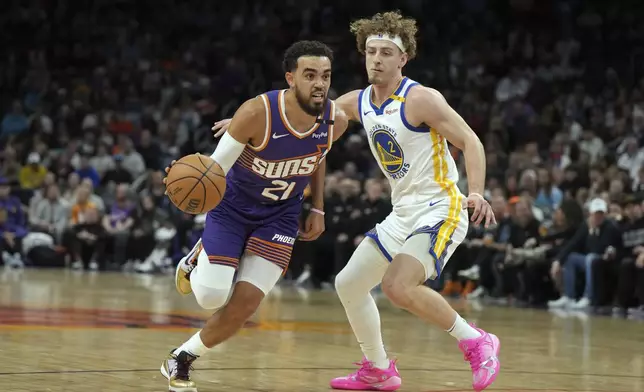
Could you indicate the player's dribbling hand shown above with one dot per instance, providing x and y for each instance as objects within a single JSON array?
[
  {"x": 482, "y": 213},
  {"x": 167, "y": 170},
  {"x": 221, "y": 127},
  {"x": 313, "y": 227}
]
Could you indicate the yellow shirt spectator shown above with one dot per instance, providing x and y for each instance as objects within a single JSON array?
[{"x": 33, "y": 173}]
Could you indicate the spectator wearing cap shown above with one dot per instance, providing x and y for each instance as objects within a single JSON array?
[
  {"x": 86, "y": 171},
  {"x": 596, "y": 239},
  {"x": 33, "y": 174}
]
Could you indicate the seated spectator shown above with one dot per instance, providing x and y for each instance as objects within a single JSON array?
[
  {"x": 86, "y": 171},
  {"x": 149, "y": 151},
  {"x": 156, "y": 190},
  {"x": 39, "y": 194},
  {"x": 117, "y": 224},
  {"x": 70, "y": 188},
  {"x": 118, "y": 175},
  {"x": 14, "y": 122},
  {"x": 10, "y": 166},
  {"x": 11, "y": 205},
  {"x": 622, "y": 275},
  {"x": 93, "y": 197},
  {"x": 102, "y": 161},
  {"x": 538, "y": 287},
  {"x": 147, "y": 220},
  {"x": 81, "y": 205},
  {"x": 592, "y": 240},
  {"x": 88, "y": 242},
  {"x": 548, "y": 195},
  {"x": 483, "y": 243},
  {"x": 33, "y": 173},
  {"x": 12, "y": 232},
  {"x": 50, "y": 214},
  {"x": 132, "y": 160},
  {"x": 523, "y": 230}
]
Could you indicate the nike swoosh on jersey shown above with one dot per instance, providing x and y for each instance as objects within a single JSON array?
[
  {"x": 433, "y": 203},
  {"x": 276, "y": 136}
]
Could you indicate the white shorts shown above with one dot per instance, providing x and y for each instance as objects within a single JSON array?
[{"x": 428, "y": 232}]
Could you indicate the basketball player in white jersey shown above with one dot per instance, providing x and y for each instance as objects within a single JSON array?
[{"x": 409, "y": 127}]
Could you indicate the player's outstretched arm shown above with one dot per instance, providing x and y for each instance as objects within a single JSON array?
[{"x": 428, "y": 106}]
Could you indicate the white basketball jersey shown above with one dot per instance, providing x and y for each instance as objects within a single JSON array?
[{"x": 416, "y": 160}]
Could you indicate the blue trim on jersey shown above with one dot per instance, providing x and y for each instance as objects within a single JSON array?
[
  {"x": 433, "y": 235},
  {"x": 381, "y": 109},
  {"x": 404, "y": 118},
  {"x": 360, "y": 105},
  {"x": 373, "y": 234}
]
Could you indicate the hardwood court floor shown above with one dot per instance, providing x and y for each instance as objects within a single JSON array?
[{"x": 66, "y": 331}]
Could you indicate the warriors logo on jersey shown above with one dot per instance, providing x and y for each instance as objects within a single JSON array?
[{"x": 388, "y": 151}]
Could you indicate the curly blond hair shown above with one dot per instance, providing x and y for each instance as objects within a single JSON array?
[{"x": 391, "y": 23}]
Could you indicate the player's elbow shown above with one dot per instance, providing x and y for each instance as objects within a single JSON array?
[{"x": 471, "y": 142}]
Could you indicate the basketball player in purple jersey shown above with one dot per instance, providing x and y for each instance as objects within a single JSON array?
[
  {"x": 275, "y": 147},
  {"x": 408, "y": 126}
]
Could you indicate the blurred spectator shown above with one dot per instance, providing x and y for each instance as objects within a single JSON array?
[
  {"x": 119, "y": 174},
  {"x": 33, "y": 173},
  {"x": 595, "y": 239},
  {"x": 117, "y": 224},
  {"x": 132, "y": 160},
  {"x": 102, "y": 162},
  {"x": 10, "y": 165},
  {"x": 50, "y": 214},
  {"x": 12, "y": 226},
  {"x": 148, "y": 219},
  {"x": 14, "y": 122},
  {"x": 87, "y": 242},
  {"x": 86, "y": 171}
]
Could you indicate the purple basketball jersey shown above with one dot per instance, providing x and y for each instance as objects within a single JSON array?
[
  {"x": 281, "y": 167},
  {"x": 264, "y": 189}
]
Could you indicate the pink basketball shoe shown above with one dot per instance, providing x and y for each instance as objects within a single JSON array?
[
  {"x": 370, "y": 378},
  {"x": 482, "y": 354}
]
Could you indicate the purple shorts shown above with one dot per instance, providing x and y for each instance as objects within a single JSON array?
[{"x": 268, "y": 230}]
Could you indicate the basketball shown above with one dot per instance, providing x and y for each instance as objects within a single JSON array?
[{"x": 195, "y": 184}]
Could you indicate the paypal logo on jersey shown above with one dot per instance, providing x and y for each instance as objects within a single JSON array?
[
  {"x": 319, "y": 135},
  {"x": 389, "y": 153}
]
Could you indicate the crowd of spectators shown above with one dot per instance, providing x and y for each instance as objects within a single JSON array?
[{"x": 100, "y": 96}]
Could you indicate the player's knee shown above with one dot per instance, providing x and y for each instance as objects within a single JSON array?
[
  {"x": 397, "y": 291},
  {"x": 210, "y": 298}
]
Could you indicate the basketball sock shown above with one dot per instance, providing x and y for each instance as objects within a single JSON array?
[
  {"x": 193, "y": 346},
  {"x": 364, "y": 318},
  {"x": 461, "y": 330},
  {"x": 363, "y": 272}
]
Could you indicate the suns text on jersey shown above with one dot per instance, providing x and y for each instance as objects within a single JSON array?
[{"x": 304, "y": 166}]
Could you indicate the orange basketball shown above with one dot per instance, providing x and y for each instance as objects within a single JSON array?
[{"x": 195, "y": 184}]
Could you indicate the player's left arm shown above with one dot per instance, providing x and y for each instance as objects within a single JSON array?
[
  {"x": 314, "y": 225},
  {"x": 428, "y": 106}
]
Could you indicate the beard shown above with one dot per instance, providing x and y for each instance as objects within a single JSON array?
[{"x": 309, "y": 107}]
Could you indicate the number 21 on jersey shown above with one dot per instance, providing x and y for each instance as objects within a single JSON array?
[{"x": 283, "y": 187}]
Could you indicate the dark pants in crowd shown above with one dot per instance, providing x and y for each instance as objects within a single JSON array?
[
  {"x": 630, "y": 284},
  {"x": 539, "y": 288},
  {"x": 11, "y": 247},
  {"x": 140, "y": 247}
]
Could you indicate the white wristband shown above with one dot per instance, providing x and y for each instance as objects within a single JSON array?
[
  {"x": 317, "y": 211},
  {"x": 227, "y": 151}
]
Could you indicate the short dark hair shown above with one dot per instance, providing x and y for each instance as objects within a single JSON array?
[{"x": 302, "y": 49}]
